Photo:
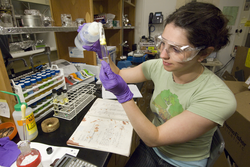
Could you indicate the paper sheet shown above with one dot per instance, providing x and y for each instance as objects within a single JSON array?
[{"x": 133, "y": 88}]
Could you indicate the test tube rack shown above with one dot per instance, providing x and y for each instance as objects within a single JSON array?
[
  {"x": 79, "y": 97},
  {"x": 59, "y": 81}
]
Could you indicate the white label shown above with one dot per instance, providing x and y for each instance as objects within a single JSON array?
[{"x": 75, "y": 53}]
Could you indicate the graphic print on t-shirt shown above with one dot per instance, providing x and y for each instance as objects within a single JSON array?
[{"x": 167, "y": 105}]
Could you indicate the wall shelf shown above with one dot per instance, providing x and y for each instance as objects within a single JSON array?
[
  {"x": 32, "y": 30},
  {"x": 128, "y": 4},
  {"x": 28, "y": 53}
]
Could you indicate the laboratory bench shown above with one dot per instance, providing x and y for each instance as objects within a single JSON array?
[{"x": 60, "y": 136}]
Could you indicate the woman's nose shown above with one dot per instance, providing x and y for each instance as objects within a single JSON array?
[{"x": 164, "y": 54}]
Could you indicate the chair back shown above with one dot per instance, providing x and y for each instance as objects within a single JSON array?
[{"x": 217, "y": 147}]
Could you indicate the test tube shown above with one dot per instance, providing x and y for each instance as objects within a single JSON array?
[
  {"x": 103, "y": 44},
  {"x": 65, "y": 96}
]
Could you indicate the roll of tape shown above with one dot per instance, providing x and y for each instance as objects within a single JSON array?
[{"x": 50, "y": 125}]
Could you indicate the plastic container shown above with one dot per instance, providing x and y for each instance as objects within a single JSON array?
[
  {"x": 87, "y": 35},
  {"x": 29, "y": 157}
]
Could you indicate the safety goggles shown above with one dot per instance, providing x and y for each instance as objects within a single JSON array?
[{"x": 176, "y": 52}]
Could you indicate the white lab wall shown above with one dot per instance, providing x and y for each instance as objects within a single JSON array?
[
  {"x": 143, "y": 8},
  {"x": 224, "y": 54}
]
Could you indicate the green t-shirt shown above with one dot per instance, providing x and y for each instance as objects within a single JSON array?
[{"x": 207, "y": 96}]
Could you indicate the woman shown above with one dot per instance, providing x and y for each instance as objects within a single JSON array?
[{"x": 189, "y": 101}]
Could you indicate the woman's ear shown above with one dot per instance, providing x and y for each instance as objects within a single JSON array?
[{"x": 205, "y": 53}]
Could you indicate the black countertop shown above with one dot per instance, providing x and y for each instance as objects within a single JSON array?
[
  {"x": 63, "y": 133},
  {"x": 67, "y": 128}
]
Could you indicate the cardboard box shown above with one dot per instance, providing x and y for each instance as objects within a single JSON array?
[
  {"x": 241, "y": 63},
  {"x": 235, "y": 130},
  {"x": 236, "y": 86}
]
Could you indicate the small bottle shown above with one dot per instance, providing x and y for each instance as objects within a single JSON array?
[
  {"x": 48, "y": 75},
  {"x": 60, "y": 97},
  {"x": 22, "y": 86},
  {"x": 57, "y": 72},
  {"x": 44, "y": 78},
  {"x": 53, "y": 73},
  {"x": 34, "y": 105},
  {"x": 39, "y": 102},
  {"x": 54, "y": 94},
  {"x": 65, "y": 96},
  {"x": 33, "y": 76},
  {"x": 33, "y": 82},
  {"x": 39, "y": 80},
  {"x": 22, "y": 81}
]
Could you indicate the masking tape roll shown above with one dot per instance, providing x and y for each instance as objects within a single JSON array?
[{"x": 50, "y": 125}]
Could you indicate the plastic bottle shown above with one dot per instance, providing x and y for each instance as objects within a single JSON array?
[
  {"x": 31, "y": 128},
  {"x": 29, "y": 157},
  {"x": 87, "y": 35}
]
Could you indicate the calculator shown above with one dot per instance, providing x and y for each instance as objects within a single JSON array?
[{"x": 71, "y": 161}]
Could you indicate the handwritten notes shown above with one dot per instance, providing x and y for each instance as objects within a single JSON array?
[
  {"x": 4, "y": 108},
  {"x": 105, "y": 127}
]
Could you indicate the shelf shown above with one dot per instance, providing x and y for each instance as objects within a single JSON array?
[
  {"x": 30, "y": 30},
  {"x": 128, "y": 4},
  {"x": 42, "y": 2},
  {"x": 127, "y": 28},
  {"x": 22, "y": 54}
]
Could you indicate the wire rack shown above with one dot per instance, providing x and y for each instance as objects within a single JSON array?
[{"x": 79, "y": 97}]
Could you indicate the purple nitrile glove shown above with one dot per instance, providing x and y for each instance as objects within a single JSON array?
[
  {"x": 8, "y": 151},
  {"x": 96, "y": 47},
  {"x": 114, "y": 83}
]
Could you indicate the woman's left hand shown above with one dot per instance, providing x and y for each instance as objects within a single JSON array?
[{"x": 114, "y": 83}]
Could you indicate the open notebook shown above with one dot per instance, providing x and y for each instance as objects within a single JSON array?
[{"x": 105, "y": 127}]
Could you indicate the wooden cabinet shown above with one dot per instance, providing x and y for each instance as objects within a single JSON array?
[{"x": 87, "y": 9}]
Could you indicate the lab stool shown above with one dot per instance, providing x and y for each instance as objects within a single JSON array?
[{"x": 123, "y": 64}]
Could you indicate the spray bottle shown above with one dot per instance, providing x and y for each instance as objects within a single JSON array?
[
  {"x": 29, "y": 157},
  {"x": 27, "y": 117}
]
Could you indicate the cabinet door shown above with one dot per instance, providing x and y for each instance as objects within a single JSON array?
[{"x": 64, "y": 40}]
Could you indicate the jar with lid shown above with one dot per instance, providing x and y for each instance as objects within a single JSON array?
[
  {"x": 48, "y": 75},
  {"x": 33, "y": 76},
  {"x": 39, "y": 80},
  {"x": 44, "y": 79},
  {"x": 53, "y": 73},
  {"x": 57, "y": 72},
  {"x": 65, "y": 96},
  {"x": 33, "y": 82},
  {"x": 22, "y": 86},
  {"x": 60, "y": 97},
  {"x": 54, "y": 95}
]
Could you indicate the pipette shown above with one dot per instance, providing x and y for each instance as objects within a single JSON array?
[{"x": 103, "y": 44}]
